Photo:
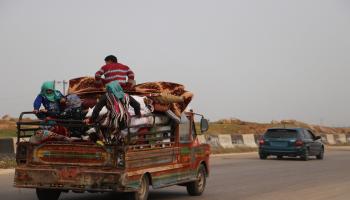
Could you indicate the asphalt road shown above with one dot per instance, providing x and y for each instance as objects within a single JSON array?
[{"x": 243, "y": 176}]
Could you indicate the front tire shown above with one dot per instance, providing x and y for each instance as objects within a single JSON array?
[
  {"x": 196, "y": 188},
  {"x": 48, "y": 194},
  {"x": 142, "y": 193}
]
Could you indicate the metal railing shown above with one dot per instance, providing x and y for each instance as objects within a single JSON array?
[{"x": 26, "y": 129}]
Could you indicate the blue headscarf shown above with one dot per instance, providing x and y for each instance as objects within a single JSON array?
[{"x": 115, "y": 88}]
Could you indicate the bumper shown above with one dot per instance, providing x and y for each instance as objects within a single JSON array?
[
  {"x": 70, "y": 178},
  {"x": 281, "y": 152}
]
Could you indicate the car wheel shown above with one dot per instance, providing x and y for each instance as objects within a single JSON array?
[
  {"x": 45, "y": 194},
  {"x": 142, "y": 193},
  {"x": 262, "y": 156},
  {"x": 196, "y": 188},
  {"x": 320, "y": 155},
  {"x": 305, "y": 156}
]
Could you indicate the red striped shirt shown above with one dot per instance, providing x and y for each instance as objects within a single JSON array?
[{"x": 115, "y": 72}]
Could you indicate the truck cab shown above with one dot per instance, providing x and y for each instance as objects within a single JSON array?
[{"x": 159, "y": 158}]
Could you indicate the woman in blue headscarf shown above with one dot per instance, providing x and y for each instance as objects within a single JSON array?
[{"x": 50, "y": 99}]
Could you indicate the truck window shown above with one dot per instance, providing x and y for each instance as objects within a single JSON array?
[
  {"x": 184, "y": 129},
  {"x": 194, "y": 131}
]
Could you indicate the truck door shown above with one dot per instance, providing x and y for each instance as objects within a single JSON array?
[{"x": 185, "y": 151}]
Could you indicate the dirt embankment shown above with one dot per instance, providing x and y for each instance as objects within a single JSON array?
[
  {"x": 7, "y": 123},
  {"x": 236, "y": 126},
  {"x": 8, "y": 126}
]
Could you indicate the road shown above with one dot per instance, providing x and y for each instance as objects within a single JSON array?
[{"x": 243, "y": 176}]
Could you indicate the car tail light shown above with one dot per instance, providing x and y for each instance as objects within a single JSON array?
[
  {"x": 261, "y": 142},
  {"x": 299, "y": 143}
]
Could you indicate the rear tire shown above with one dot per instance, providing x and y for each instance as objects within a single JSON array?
[
  {"x": 305, "y": 156},
  {"x": 320, "y": 155},
  {"x": 142, "y": 193},
  {"x": 196, "y": 188},
  {"x": 48, "y": 194},
  {"x": 262, "y": 156}
]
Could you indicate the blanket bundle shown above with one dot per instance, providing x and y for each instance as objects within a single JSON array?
[
  {"x": 85, "y": 85},
  {"x": 165, "y": 96}
]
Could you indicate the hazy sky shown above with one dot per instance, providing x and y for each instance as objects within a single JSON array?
[{"x": 257, "y": 60}]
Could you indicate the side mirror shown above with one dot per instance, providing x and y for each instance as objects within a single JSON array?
[
  {"x": 317, "y": 137},
  {"x": 204, "y": 125}
]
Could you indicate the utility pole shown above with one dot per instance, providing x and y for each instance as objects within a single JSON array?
[{"x": 64, "y": 83}]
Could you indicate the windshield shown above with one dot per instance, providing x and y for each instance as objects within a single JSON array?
[{"x": 281, "y": 133}]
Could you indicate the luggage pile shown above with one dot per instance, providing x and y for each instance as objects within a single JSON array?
[{"x": 161, "y": 106}]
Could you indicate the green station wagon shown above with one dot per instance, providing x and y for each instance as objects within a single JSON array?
[{"x": 292, "y": 142}]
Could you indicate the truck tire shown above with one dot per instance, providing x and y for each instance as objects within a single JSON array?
[
  {"x": 142, "y": 193},
  {"x": 45, "y": 194},
  {"x": 196, "y": 188}
]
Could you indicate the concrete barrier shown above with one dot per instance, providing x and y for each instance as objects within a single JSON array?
[
  {"x": 213, "y": 141},
  {"x": 257, "y": 137},
  {"x": 7, "y": 146},
  {"x": 249, "y": 140},
  {"x": 341, "y": 138},
  {"x": 225, "y": 141},
  {"x": 237, "y": 139},
  {"x": 330, "y": 139},
  {"x": 348, "y": 138},
  {"x": 201, "y": 139}
]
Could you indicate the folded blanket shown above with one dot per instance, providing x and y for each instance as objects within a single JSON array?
[
  {"x": 144, "y": 109},
  {"x": 45, "y": 135},
  {"x": 149, "y": 121},
  {"x": 103, "y": 111}
]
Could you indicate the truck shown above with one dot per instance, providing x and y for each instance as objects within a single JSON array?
[{"x": 155, "y": 160}]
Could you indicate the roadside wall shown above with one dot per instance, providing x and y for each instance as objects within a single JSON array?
[{"x": 8, "y": 145}]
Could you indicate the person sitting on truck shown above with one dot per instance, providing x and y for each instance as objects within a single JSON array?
[
  {"x": 114, "y": 71},
  {"x": 117, "y": 102},
  {"x": 50, "y": 99},
  {"x": 72, "y": 107}
]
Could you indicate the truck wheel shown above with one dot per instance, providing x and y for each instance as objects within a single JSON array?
[
  {"x": 320, "y": 155},
  {"x": 46, "y": 194},
  {"x": 142, "y": 193},
  {"x": 196, "y": 188}
]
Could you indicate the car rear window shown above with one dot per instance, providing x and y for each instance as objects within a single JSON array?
[{"x": 281, "y": 133}]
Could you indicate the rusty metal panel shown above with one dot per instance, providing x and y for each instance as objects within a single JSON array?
[
  {"x": 73, "y": 154},
  {"x": 149, "y": 158},
  {"x": 76, "y": 178}
]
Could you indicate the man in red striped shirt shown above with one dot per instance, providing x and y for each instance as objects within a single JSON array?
[{"x": 114, "y": 71}]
